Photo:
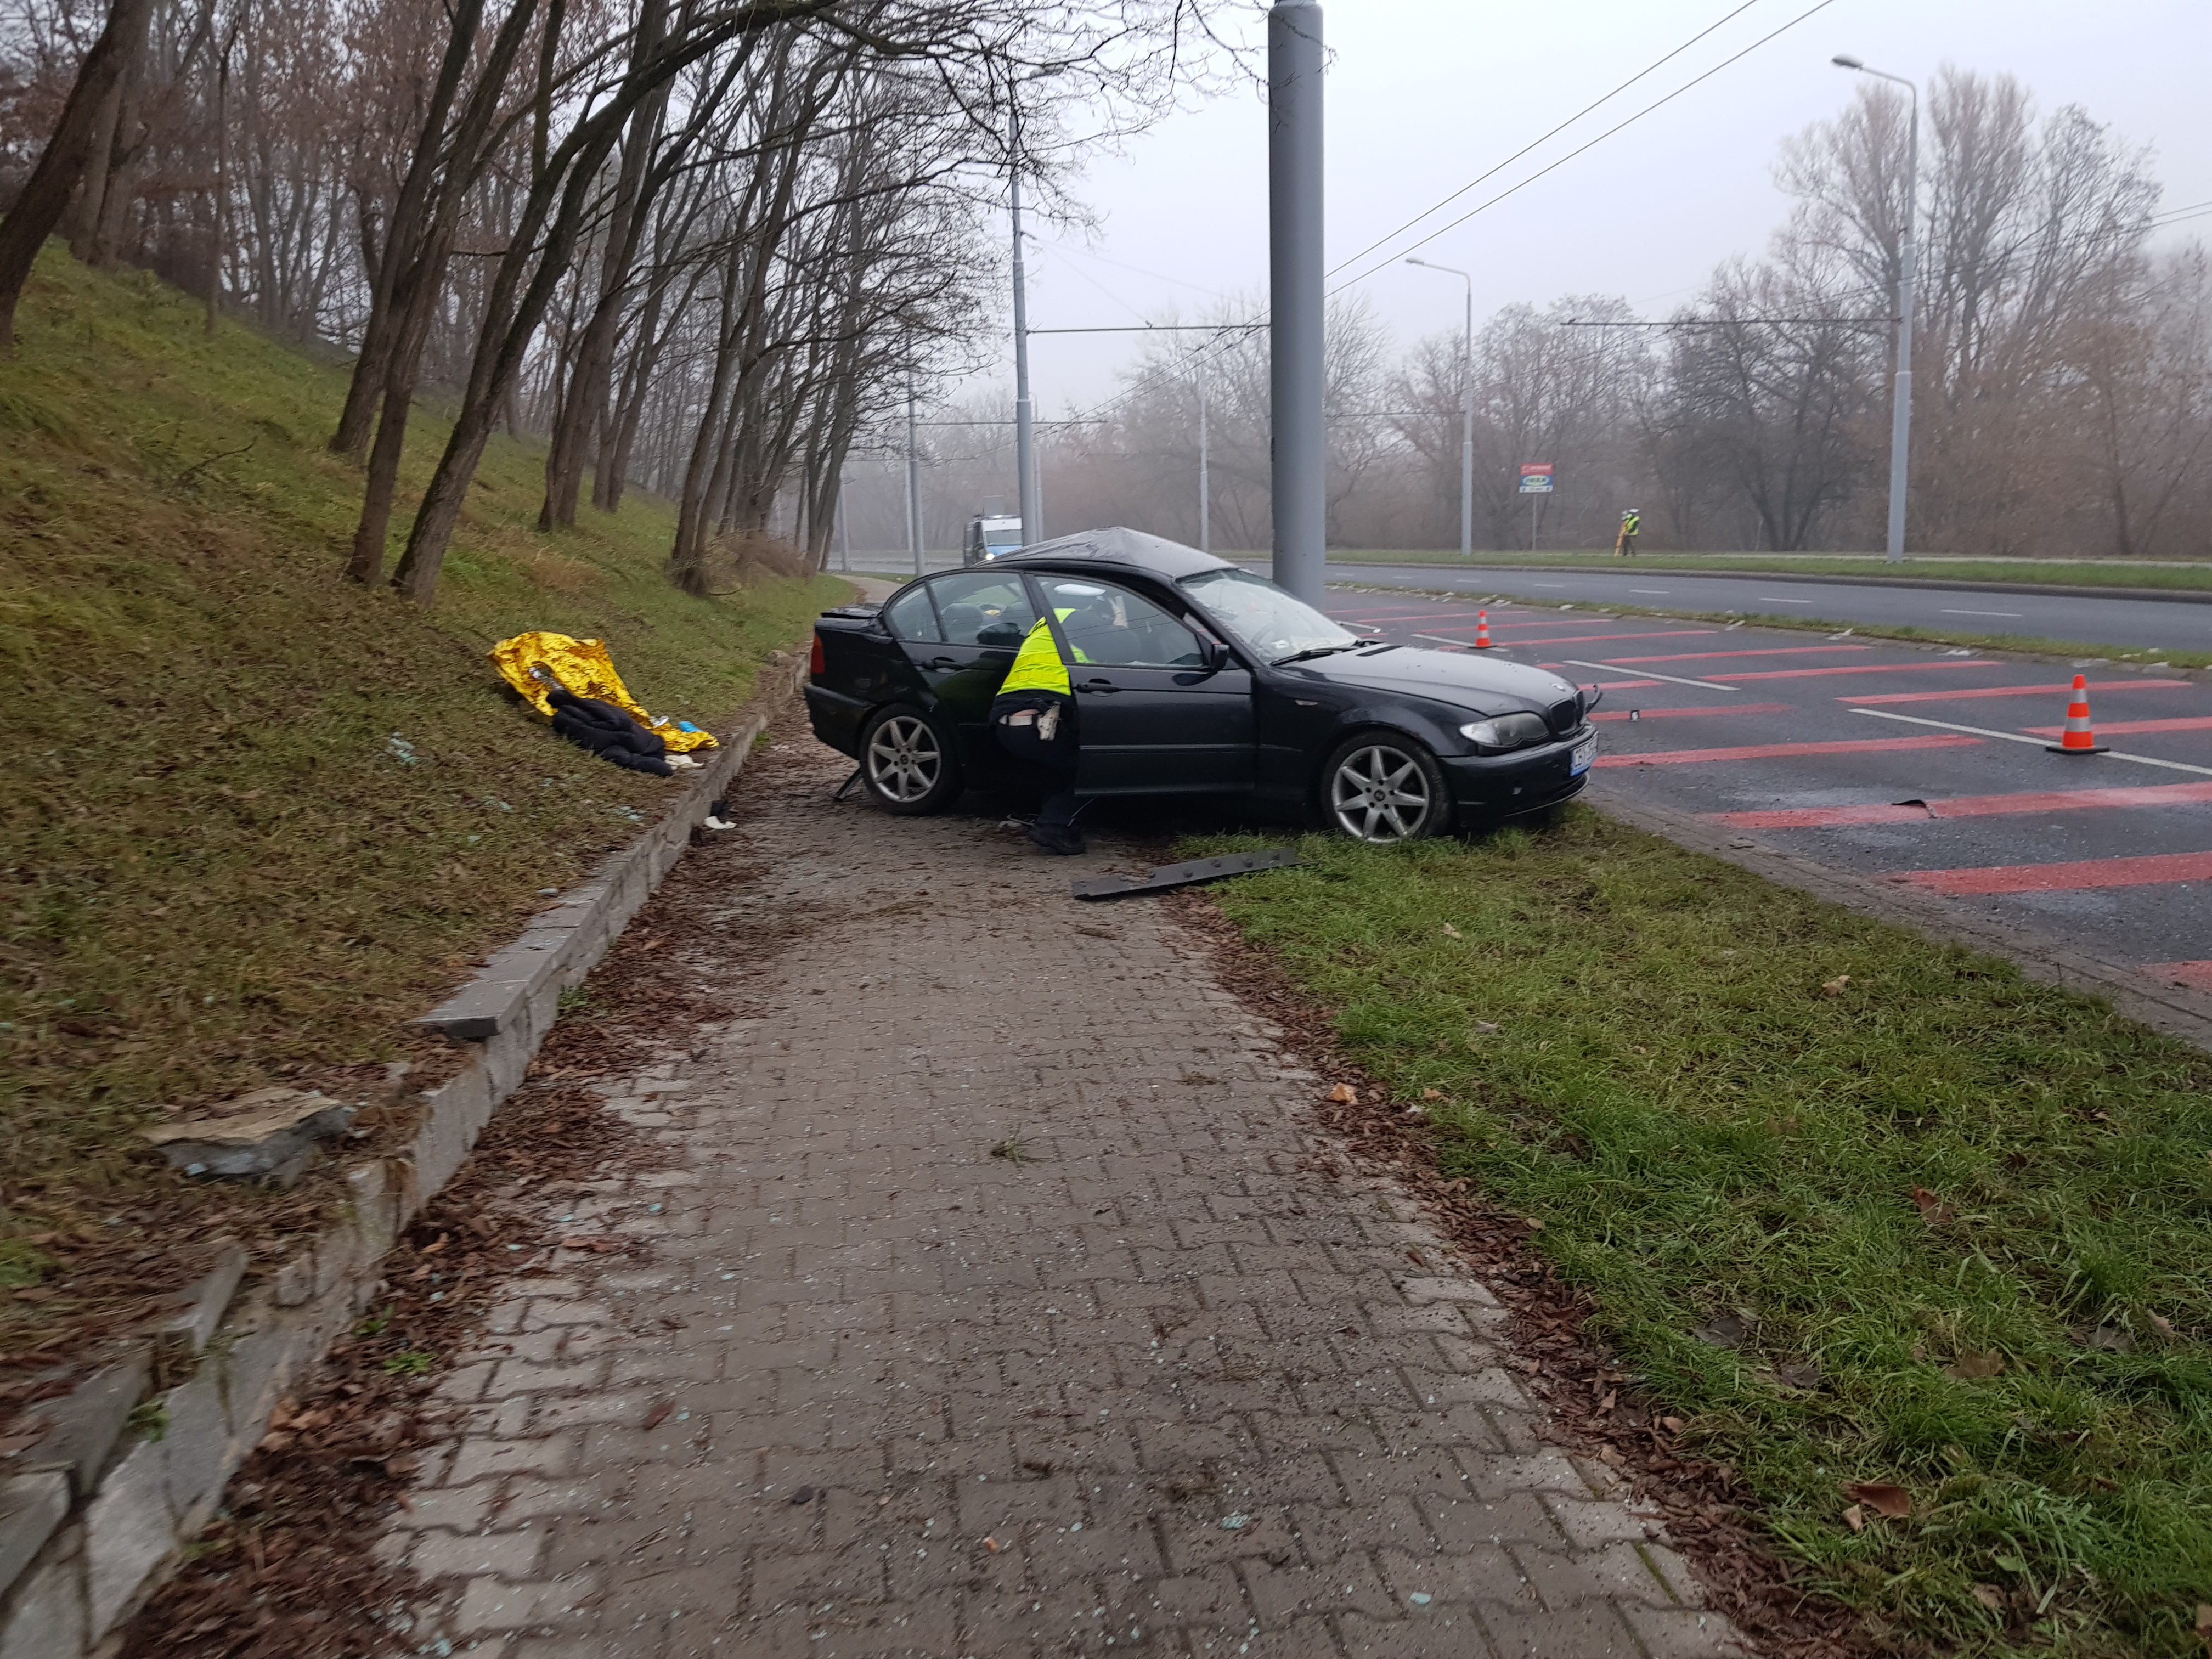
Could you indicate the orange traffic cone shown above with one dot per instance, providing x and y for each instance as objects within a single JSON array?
[
  {"x": 1482, "y": 630},
  {"x": 2079, "y": 738}
]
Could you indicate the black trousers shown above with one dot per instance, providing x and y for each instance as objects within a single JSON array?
[{"x": 1020, "y": 719}]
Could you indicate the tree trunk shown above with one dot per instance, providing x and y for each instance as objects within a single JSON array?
[
  {"x": 409, "y": 214},
  {"x": 61, "y": 166}
]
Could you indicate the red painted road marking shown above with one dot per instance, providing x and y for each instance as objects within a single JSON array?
[
  {"x": 1773, "y": 651},
  {"x": 2007, "y": 691},
  {"x": 1968, "y": 806},
  {"x": 1779, "y": 750},
  {"x": 2197, "y": 976},
  {"x": 1854, "y": 668},
  {"x": 2064, "y": 877},
  {"x": 1715, "y": 708},
  {"x": 2121, "y": 728},
  {"x": 1625, "y": 685}
]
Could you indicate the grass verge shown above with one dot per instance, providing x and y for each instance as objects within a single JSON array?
[
  {"x": 2069, "y": 573},
  {"x": 262, "y": 817},
  {"x": 1860, "y": 1208}
]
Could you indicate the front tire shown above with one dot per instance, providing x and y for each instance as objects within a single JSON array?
[
  {"x": 1382, "y": 788},
  {"x": 907, "y": 767}
]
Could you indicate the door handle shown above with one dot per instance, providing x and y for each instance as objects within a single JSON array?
[
  {"x": 942, "y": 662},
  {"x": 1101, "y": 686}
]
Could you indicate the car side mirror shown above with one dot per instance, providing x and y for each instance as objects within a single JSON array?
[{"x": 1214, "y": 654}]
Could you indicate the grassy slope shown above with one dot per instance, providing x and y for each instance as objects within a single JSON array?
[
  {"x": 1703, "y": 1131},
  {"x": 220, "y": 870},
  {"x": 2079, "y": 573}
]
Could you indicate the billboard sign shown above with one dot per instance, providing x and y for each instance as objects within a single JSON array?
[{"x": 1536, "y": 477}]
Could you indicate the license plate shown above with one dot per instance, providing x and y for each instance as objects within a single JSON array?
[{"x": 1579, "y": 762}]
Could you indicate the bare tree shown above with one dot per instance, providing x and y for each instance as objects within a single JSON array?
[{"x": 61, "y": 167}]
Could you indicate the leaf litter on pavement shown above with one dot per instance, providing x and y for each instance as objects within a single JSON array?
[{"x": 285, "y": 1571}]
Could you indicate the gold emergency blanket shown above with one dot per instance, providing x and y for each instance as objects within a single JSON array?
[{"x": 583, "y": 667}]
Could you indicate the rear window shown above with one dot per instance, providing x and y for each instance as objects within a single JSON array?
[
  {"x": 984, "y": 607},
  {"x": 910, "y": 616}
]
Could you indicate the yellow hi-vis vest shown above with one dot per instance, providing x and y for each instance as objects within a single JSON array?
[
  {"x": 1038, "y": 666},
  {"x": 1630, "y": 523}
]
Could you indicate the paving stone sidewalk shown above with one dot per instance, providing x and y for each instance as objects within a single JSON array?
[{"x": 995, "y": 1305}]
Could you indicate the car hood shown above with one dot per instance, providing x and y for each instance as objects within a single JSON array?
[{"x": 1487, "y": 685}]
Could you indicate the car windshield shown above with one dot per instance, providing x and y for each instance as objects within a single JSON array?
[{"x": 1262, "y": 616}]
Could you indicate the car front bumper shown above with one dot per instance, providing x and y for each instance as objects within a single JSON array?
[{"x": 1525, "y": 780}]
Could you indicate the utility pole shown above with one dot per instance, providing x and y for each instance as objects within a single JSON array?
[
  {"x": 1466, "y": 417},
  {"x": 844, "y": 529},
  {"x": 913, "y": 481},
  {"x": 1900, "y": 406},
  {"x": 1205, "y": 479},
  {"x": 1297, "y": 301},
  {"x": 1025, "y": 478}
]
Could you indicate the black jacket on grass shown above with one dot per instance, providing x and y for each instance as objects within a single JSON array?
[{"x": 608, "y": 732}]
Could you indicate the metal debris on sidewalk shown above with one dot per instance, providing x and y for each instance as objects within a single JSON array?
[{"x": 1183, "y": 875}]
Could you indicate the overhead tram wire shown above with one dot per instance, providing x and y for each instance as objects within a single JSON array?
[
  {"x": 1552, "y": 166},
  {"x": 1177, "y": 371},
  {"x": 1656, "y": 63}
]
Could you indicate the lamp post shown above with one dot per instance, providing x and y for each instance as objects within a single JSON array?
[
  {"x": 1031, "y": 506},
  {"x": 1900, "y": 409},
  {"x": 913, "y": 481},
  {"x": 1298, "y": 301},
  {"x": 1205, "y": 475},
  {"x": 1466, "y": 411}
]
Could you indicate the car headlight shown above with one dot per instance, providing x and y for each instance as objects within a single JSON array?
[{"x": 1506, "y": 732}]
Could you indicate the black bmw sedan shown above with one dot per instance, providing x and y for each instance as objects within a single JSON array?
[{"x": 1196, "y": 677}]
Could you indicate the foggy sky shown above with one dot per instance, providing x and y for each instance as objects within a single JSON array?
[{"x": 1425, "y": 95}]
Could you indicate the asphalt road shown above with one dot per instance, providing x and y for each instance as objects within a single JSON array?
[
  {"x": 2150, "y": 624},
  {"x": 1919, "y": 765}
]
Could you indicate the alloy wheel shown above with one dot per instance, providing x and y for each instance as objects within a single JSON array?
[
  {"x": 1381, "y": 793},
  {"x": 905, "y": 760}
]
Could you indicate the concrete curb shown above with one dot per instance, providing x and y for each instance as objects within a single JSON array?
[
  {"x": 2171, "y": 1009},
  {"x": 93, "y": 1518}
]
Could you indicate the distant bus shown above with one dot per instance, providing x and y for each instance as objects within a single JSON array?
[{"x": 988, "y": 538}]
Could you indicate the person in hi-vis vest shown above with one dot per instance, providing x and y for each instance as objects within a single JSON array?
[
  {"x": 1624, "y": 545},
  {"x": 1034, "y": 716}
]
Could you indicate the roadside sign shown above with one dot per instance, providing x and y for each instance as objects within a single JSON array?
[{"x": 1536, "y": 477}]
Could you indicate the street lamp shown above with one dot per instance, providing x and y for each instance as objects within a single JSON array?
[
  {"x": 1900, "y": 408},
  {"x": 1466, "y": 411}
]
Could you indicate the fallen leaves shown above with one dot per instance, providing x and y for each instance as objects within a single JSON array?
[
  {"x": 1726, "y": 1332},
  {"x": 1451, "y": 931},
  {"x": 1884, "y": 1499},
  {"x": 1933, "y": 1210},
  {"x": 1835, "y": 987},
  {"x": 1799, "y": 1373},
  {"x": 1972, "y": 1367},
  {"x": 657, "y": 1413},
  {"x": 1343, "y": 1094}
]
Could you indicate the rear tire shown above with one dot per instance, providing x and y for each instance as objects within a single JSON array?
[
  {"x": 1381, "y": 789},
  {"x": 907, "y": 767}
]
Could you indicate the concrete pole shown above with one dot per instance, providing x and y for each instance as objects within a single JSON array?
[
  {"x": 1900, "y": 406},
  {"x": 913, "y": 483},
  {"x": 1466, "y": 435},
  {"x": 1025, "y": 478},
  {"x": 1900, "y": 414},
  {"x": 844, "y": 529},
  {"x": 1204, "y": 477},
  {"x": 1298, "y": 304}
]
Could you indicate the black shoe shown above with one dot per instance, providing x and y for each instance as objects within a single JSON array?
[{"x": 1056, "y": 838}]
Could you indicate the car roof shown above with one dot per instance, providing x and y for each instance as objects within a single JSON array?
[{"x": 1151, "y": 556}]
